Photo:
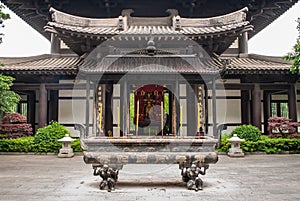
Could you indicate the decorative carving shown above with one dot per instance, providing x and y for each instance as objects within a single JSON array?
[
  {"x": 190, "y": 175},
  {"x": 109, "y": 177},
  {"x": 177, "y": 23}
]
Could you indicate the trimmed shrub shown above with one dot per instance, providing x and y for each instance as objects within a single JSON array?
[
  {"x": 14, "y": 126},
  {"x": 14, "y": 118},
  {"x": 282, "y": 127},
  {"x": 26, "y": 144},
  {"x": 247, "y": 132},
  {"x": 23, "y": 144},
  {"x": 46, "y": 137},
  {"x": 265, "y": 144}
]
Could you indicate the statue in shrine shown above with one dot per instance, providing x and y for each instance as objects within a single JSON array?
[
  {"x": 191, "y": 176},
  {"x": 149, "y": 104},
  {"x": 147, "y": 109},
  {"x": 108, "y": 175}
]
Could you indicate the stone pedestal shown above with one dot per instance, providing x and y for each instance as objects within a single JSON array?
[
  {"x": 66, "y": 151},
  {"x": 235, "y": 150}
]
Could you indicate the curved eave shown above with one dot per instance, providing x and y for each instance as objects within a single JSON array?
[
  {"x": 75, "y": 36},
  {"x": 261, "y": 13},
  {"x": 257, "y": 64},
  {"x": 41, "y": 65},
  {"x": 100, "y": 32},
  {"x": 152, "y": 65}
]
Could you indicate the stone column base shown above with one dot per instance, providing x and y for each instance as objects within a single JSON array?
[{"x": 65, "y": 153}]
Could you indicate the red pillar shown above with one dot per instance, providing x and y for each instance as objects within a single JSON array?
[
  {"x": 42, "y": 105},
  {"x": 256, "y": 106}
]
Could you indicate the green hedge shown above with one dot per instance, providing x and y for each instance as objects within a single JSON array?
[
  {"x": 264, "y": 144},
  {"x": 26, "y": 144},
  {"x": 22, "y": 144}
]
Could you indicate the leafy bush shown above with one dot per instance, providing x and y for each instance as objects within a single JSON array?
[
  {"x": 26, "y": 144},
  {"x": 265, "y": 144},
  {"x": 282, "y": 127},
  {"x": 247, "y": 132},
  {"x": 76, "y": 145},
  {"x": 46, "y": 137},
  {"x": 14, "y": 118},
  {"x": 14, "y": 126},
  {"x": 23, "y": 144},
  {"x": 15, "y": 130},
  {"x": 225, "y": 144}
]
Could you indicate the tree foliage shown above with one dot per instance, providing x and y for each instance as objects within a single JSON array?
[
  {"x": 295, "y": 55},
  {"x": 3, "y": 16},
  {"x": 8, "y": 98}
]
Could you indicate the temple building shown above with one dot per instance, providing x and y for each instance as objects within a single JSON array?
[{"x": 152, "y": 68}]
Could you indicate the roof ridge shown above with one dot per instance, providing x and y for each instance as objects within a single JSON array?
[
  {"x": 275, "y": 59},
  {"x": 32, "y": 58}
]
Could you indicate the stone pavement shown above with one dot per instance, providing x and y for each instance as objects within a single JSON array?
[{"x": 255, "y": 177}]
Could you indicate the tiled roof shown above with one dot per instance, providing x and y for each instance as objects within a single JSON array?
[
  {"x": 153, "y": 64},
  {"x": 146, "y": 30},
  {"x": 261, "y": 13},
  {"x": 42, "y": 64},
  {"x": 216, "y": 34},
  {"x": 126, "y": 24},
  {"x": 257, "y": 64},
  {"x": 49, "y": 64}
]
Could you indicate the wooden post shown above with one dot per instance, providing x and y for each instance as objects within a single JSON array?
[
  {"x": 53, "y": 105},
  {"x": 55, "y": 44},
  {"x": 180, "y": 123},
  {"x": 119, "y": 126},
  {"x": 267, "y": 109},
  {"x": 124, "y": 106},
  {"x": 137, "y": 118},
  {"x": 31, "y": 109},
  {"x": 94, "y": 122},
  {"x": 206, "y": 108},
  {"x": 245, "y": 107},
  {"x": 191, "y": 110},
  {"x": 292, "y": 102},
  {"x": 108, "y": 122},
  {"x": 174, "y": 112},
  {"x": 256, "y": 106},
  {"x": 87, "y": 107},
  {"x": 214, "y": 107},
  {"x": 42, "y": 105},
  {"x": 243, "y": 43},
  {"x": 162, "y": 118}
]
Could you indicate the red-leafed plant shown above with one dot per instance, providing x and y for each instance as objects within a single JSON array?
[
  {"x": 14, "y": 118},
  {"x": 282, "y": 127},
  {"x": 14, "y": 126}
]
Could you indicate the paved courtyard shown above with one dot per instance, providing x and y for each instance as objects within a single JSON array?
[{"x": 255, "y": 177}]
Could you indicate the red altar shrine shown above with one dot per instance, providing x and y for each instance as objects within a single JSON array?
[{"x": 148, "y": 105}]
